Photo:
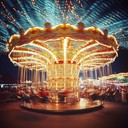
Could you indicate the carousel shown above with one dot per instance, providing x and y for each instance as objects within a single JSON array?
[
  {"x": 119, "y": 79},
  {"x": 58, "y": 54}
]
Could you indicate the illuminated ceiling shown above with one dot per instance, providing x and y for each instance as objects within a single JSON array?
[
  {"x": 109, "y": 14},
  {"x": 64, "y": 44}
]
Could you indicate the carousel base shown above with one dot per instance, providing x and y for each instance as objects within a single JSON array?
[{"x": 83, "y": 106}]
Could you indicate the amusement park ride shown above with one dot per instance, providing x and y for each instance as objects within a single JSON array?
[{"x": 62, "y": 52}]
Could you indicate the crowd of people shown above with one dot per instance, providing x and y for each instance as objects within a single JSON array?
[
  {"x": 33, "y": 95},
  {"x": 110, "y": 93},
  {"x": 23, "y": 94},
  {"x": 8, "y": 94}
]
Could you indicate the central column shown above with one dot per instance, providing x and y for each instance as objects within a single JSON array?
[{"x": 63, "y": 77}]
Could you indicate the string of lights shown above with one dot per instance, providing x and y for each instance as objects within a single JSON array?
[{"x": 111, "y": 15}]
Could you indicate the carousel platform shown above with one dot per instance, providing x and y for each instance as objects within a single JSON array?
[{"x": 83, "y": 106}]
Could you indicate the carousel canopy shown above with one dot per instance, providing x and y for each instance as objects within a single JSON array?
[{"x": 63, "y": 44}]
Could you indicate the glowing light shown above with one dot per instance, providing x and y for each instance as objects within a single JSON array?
[
  {"x": 60, "y": 11},
  {"x": 28, "y": 52},
  {"x": 114, "y": 76},
  {"x": 65, "y": 47},
  {"x": 62, "y": 52},
  {"x": 83, "y": 50},
  {"x": 32, "y": 44}
]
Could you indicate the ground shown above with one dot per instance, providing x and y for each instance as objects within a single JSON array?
[{"x": 113, "y": 115}]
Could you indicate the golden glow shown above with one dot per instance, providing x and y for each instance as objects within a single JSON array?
[
  {"x": 85, "y": 48},
  {"x": 32, "y": 44},
  {"x": 30, "y": 52},
  {"x": 94, "y": 54},
  {"x": 65, "y": 47},
  {"x": 62, "y": 51}
]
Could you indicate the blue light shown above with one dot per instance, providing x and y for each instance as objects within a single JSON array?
[{"x": 16, "y": 14}]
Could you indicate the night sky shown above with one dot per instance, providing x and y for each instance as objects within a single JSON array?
[
  {"x": 8, "y": 72},
  {"x": 121, "y": 62}
]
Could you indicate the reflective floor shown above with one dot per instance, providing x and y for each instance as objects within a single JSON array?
[
  {"x": 83, "y": 104},
  {"x": 113, "y": 115}
]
